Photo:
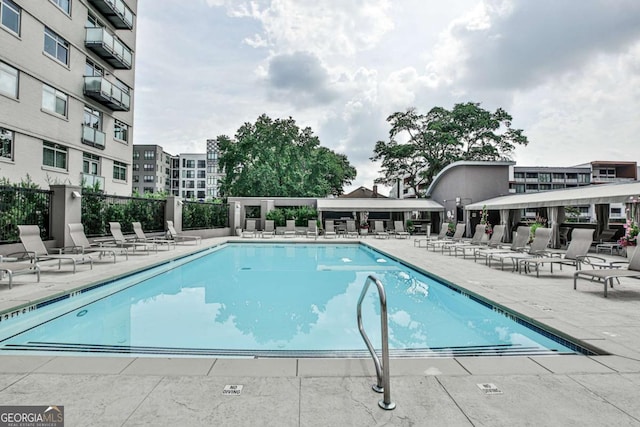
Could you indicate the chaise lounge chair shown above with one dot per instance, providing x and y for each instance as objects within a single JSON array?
[
  {"x": 457, "y": 236},
  {"x": 478, "y": 235},
  {"x": 399, "y": 230},
  {"x": 82, "y": 245},
  {"x": 608, "y": 274},
  {"x": 351, "y": 228},
  {"x": 36, "y": 250},
  {"x": 250, "y": 230},
  {"x": 269, "y": 229},
  {"x": 329, "y": 229},
  {"x": 538, "y": 248},
  {"x": 173, "y": 234},
  {"x": 442, "y": 235},
  {"x": 494, "y": 242},
  {"x": 12, "y": 269},
  {"x": 141, "y": 237},
  {"x": 290, "y": 228},
  {"x": 120, "y": 241},
  {"x": 519, "y": 244},
  {"x": 378, "y": 230},
  {"x": 312, "y": 228},
  {"x": 578, "y": 249}
]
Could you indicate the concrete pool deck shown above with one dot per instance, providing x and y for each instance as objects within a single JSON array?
[{"x": 542, "y": 390}]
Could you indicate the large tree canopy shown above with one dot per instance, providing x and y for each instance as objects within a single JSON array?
[
  {"x": 275, "y": 158},
  {"x": 420, "y": 146}
]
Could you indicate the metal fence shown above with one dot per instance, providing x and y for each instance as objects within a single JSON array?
[
  {"x": 23, "y": 206},
  {"x": 199, "y": 215},
  {"x": 99, "y": 209}
]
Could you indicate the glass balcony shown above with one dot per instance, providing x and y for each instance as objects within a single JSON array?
[
  {"x": 93, "y": 137},
  {"x": 106, "y": 93},
  {"x": 89, "y": 180},
  {"x": 116, "y": 12},
  {"x": 108, "y": 48}
]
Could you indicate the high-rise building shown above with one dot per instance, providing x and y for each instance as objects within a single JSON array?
[
  {"x": 189, "y": 176},
  {"x": 66, "y": 92},
  {"x": 214, "y": 174},
  {"x": 151, "y": 169}
]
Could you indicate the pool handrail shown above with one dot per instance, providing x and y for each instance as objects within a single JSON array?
[{"x": 382, "y": 370}]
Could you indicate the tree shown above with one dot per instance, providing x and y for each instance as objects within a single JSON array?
[
  {"x": 420, "y": 146},
  {"x": 276, "y": 158}
]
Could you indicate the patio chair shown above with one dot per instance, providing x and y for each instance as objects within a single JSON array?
[
  {"x": 399, "y": 230},
  {"x": 173, "y": 234},
  {"x": 290, "y": 228},
  {"x": 608, "y": 274},
  {"x": 477, "y": 237},
  {"x": 442, "y": 235},
  {"x": 269, "y": 229},
  {"x": 36, "y": 250},
  {"x": 494, "y": 242},
  {"x": 120, "y": 241},
  {"x": 537, "y": 248},
  {"x": 518, "y": 245},
  {"x": 250, "y": 230},
  {"x": 141, "y": 237},
  {"x": 379, "y": 231},
  {"x": 578, "y": 248},
  {"x": 12, "y": 269},
  {"x": 329, "y": 229},
  {"x": 312, "y": 228},
  {"x": 82, "y": 245},
  {"x": 457, "y": 236},
  {"x": 351, "y": 228}
]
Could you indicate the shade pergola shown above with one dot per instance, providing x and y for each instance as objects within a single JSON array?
[
  {"x": 381, "y": 205},
  {"x": 600, "y": 195}
]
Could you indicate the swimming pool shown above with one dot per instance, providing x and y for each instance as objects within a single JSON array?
[{"x": 256, "y": 299}]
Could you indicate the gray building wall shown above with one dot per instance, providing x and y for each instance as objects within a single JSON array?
[{"x": 32, "y": 125}]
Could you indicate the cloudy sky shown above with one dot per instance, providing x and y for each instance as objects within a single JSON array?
[{"x": 568, "y": 71}]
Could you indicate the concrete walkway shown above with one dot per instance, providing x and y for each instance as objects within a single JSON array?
[{"x": 537, "y": 391}]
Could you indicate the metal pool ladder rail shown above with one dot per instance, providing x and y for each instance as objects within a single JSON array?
[{"x": 382, "y": 370}]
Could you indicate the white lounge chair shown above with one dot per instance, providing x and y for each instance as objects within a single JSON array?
[
  {"x": 269, "y": 229},
  {"x": 442, "y": 235},
  {"x": 494, "y": 242},
  {"x": 608, "y": 274},
  {"x": 458, "y": 235},
  {"x": 312, "y": 228},
  {"x": 478, "y": 235},
  {"x": 12, "y": 269},
  {"x": 82, "y": 245},
  {"x": 290, "y": 228},
  {"x": 329, "y": 229},
  {"x": 399, "y": 231},
  {"x": 518, "y": 245},
  {"x": 173, "y": 234},
  {"x": 120, "y": 241},
  {"x": 379, "y": 231},
  {"x": 351, "y": 228},
  {"x": 36, "y": 250},
  {"x": 537, "y": 248},
  {"x": 581, "y": 239},
  {"x": 250, "y": 230},
  {"x": 141, "y": 237}
]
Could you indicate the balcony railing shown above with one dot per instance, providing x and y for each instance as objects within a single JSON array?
[
  {"x": 106, "y": 93},
  {"x": 92, "y": 181},
  {"x": 108, "y": 48},
  {"x": 116, "y": 11},
  {"x": 93, "y": 137}
]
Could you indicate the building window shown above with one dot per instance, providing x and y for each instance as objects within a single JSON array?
[
  {"x": 121, "y": 131},
  {"x": 148, "y": 189},
  {"x": 136, "y": 178},
  {"x": 119, "y": 171},
  {"x": 10, "y": 16},
  {"x": 202, "y": 164},
  {"x": 212, "y": 155},
  {"x": 54, "y": 101},
  {"x": 64, "y": 5},
  {"x": 90, "y": 163},
  {"x": 56, "y": 46},
  {"x": 91, "y": 69},
  {"x": 188, "y": 163},
  {"x": 6, "y": 143},
  {"x": 136, "y": 167},
  {"x": 136, "y": 155},
  {"x": 149, "y": 155},
  {"x": 188, "y": 174},
  {"x": 202, "y": 174},
  {"x": 92, "y": 21},
  {"x": 8, "y": 80},
  {"x": 149, "y": 167},
  {"x": 54, "y": 155},
  {"x": 149, "y": 178},
  {"x": 92, "y": 118}
]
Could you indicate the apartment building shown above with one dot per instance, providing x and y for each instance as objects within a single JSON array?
[
  {"x": 214, "y": 174},
  {"x": 189, "y": 176},
  {"x": 66, "y": 92},
  {"x": 151, "y": 167}
]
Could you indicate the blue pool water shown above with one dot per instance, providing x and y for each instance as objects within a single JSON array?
[{"x": 272, "y": 299}]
